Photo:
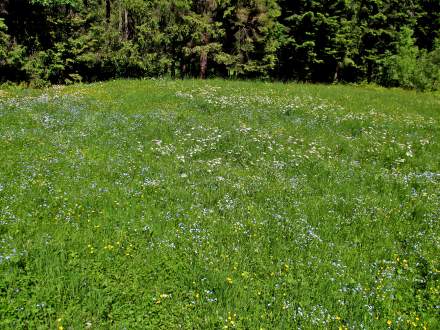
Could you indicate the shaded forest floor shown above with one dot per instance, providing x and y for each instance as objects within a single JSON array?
[{"x": 215, "y": 204}]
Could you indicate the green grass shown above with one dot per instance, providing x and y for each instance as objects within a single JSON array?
[{"x": 215, "y": 204}]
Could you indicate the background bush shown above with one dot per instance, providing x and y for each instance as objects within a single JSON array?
[{"x": 411, "y": 67}]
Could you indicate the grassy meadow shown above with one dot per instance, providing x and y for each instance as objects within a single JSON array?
[{"x": 218, "y": 205}]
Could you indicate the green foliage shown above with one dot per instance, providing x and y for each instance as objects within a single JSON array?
[
  {"x": 12, "y": 56},
  {"x": 428, "y": 76},
  {"x": 254, "y": 32},
  {"x": 401, "y": 68},
  {"x": 74, "y": 3},
  {"x": 411, "y": 67},
  {"x": 4, "y": 41}
]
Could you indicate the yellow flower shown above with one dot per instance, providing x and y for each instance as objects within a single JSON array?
[
  {"x": 337, "y": 317},
  {"x": 229, "y": 280},
  {"x": 389, "y": 322}
]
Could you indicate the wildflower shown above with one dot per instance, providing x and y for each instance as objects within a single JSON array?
[
  {"x": 60, "y": 326},
  {"x": 389, "y": 322},
  {"x": 228, "y": 280},
  {"x": 405, "y": 263}
]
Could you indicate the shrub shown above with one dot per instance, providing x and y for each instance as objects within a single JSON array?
[
  {"x": 410, "y": 67},
  {"x": 4, "y": 41}
]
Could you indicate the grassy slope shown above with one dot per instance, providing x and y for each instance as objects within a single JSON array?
[{"x": 196, "y": 204}]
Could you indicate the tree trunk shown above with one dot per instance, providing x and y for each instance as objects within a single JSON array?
[
  {"x": 183, "y": 69},
  {"x": 173, "y": 69},
  {"x": 203, "y": 64},
  {"x": 108, "y": 10},
  {"x": 120, "y": 22},
  {"x": 369, "y": 71},
  {"x": 4, "y": 7},
  {"x": 336, "y": 76},
  {"x": 126, "y": 32},
  {"x": 204, "y": 56}
]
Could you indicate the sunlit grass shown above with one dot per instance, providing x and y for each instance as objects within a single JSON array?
[{"x": 192, "y": 204}]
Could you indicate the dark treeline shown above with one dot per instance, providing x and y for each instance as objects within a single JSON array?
[{"x": 389, "y": 42}]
